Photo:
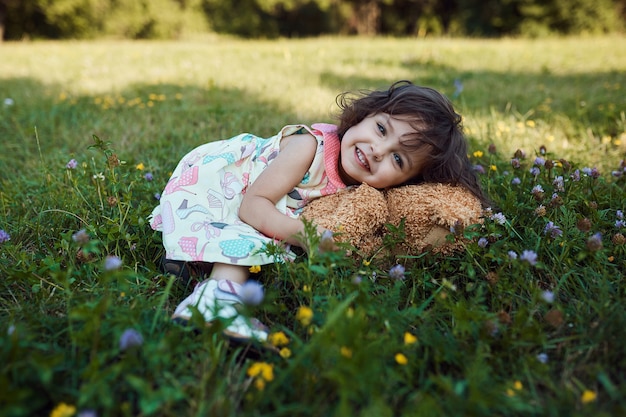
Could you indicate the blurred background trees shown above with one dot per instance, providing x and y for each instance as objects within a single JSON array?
[{"x": 171, "y": 19}]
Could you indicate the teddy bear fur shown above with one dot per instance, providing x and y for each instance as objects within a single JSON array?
[{"x": 431, "y": 211}]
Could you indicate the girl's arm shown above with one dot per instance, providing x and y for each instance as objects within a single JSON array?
[{"x": 258, "y": 207}]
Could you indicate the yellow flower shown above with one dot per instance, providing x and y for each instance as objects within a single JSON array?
[
  {"x": 306, "y": 288},
  {"x": 366, "y": 262},
  {"x": 63, "y": 410},
  {"x": 409, "y": 339},
  {"x": 285, "y": 353},
  {"x": 140, "y": 166},
  {"x": 278, "y": 339},
  {"x": 262, "y": 370},
  {"x": 518, "y": 385},
  {"x": 401, "y": 359},
  {"x": 255, "y": 269},
  {"x": 510, "y": 392},
  {"x": 346, "y": 352},
  {"x": 530, "y": 123},
  {"x": 478, "y": 154},
  {"x": 304, "y": 315},
  {"x": 588, "y": 396},
  {"x": 493, "y": 167}
]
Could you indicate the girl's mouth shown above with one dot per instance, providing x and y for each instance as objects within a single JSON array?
[{"x": 362, "y": 159}]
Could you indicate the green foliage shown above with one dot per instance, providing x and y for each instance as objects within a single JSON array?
[
  {"x": 486, "y": 331},
  {"x": 171, "y": 19}
]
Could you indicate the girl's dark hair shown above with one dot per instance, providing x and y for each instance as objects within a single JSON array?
[{"x": 438, "y": 130}]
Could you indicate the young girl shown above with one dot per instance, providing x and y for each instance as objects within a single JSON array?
[{"x": 226, "y": 200}]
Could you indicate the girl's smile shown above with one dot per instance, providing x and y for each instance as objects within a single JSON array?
[{"x": 372, "y": 152}]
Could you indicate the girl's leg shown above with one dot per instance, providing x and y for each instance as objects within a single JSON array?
[{"x": 234, "y": 273}]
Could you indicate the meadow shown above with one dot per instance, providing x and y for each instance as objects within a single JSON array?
[{"x": 527, "y": 320}]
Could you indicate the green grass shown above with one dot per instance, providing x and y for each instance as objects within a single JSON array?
[{"x": 480, "y": 317}]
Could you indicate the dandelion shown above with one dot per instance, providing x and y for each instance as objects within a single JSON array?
[
  {"x": 483, "y": 242},
  {"x": 255, "y": 269},
  {"x": 278, "y": 339},
  {"x": 594, "y": 243},
  {"x": 262, "y": 372},
  {"x": 130, "y": 338},
  {"x": 553, "y": 230},
  {"x": 304, "y": 315},
  {"x": 529, "y": 256},
  {"x": 251, "y": 293},
  {"x": 140, "y": 166},
  {"x": 588, "y": 396},
  {"x": 401, "y": 359},
  {"x": 72, "y": 164},
  {"x": 499, "y": 218},
  {"x": 346, "y": 352},
  {"x": 542, "y": 357},
  {"x": 81, "y": 237},
  {"x": 148, "y": 176},
  {"x": 112, "y": 262},
  {"x": 547, "y": 296},
  {"x": 409, "y": 338},
  {"x": 63, "y": 410},
  {"x": 397, "y": 272},
  {"x": 4, "y": 236}
]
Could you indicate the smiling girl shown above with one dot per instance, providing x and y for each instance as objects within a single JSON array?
[{"x": 227, "y": 200}]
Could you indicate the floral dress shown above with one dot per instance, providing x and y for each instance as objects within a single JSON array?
[{"x": 198, "y": 213}]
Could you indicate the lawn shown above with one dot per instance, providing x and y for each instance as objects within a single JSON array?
[{"x": 527, "y": 320}]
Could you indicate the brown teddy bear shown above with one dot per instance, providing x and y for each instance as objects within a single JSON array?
[{"x": 359, "y": 215}]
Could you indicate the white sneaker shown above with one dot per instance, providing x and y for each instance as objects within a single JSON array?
[{"x": 218, "y": 299}]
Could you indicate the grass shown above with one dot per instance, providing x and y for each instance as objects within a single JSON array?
[{"x": 477, "y": 333}]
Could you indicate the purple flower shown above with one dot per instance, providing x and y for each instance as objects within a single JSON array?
[
  {"x": 552, "y": 230},
  {"x": 515, "y": 163},
  {"x": 81, "y": 237},
  {"x": 559, "y": 184},
  {"x": 539, "y": 161},
  {"x": 72, "y": 164},
  {"x": 112, "y": 263},
  {"x": 157, "y": 196},
  {"x": 148, "y": 176},
  {"x": 516, "y": 181},
  {"x": 4, "y": 236},
  {"x": 547, "y": 296},
  {"x": 397, "y": 272},
  {"x": 529, "y": 256},
  {"x": 619, "y": 214},
  {"x": 534, "y": 171},
  {"x": 620, "y": 223},
  {"x": 537, "y": 189},
  {"x": 512, "y": 254},
  {"x": 499, "y": 218},
  {"x": 594, "y": 243},
  {"x": 483, "y": 242},
  {"x": 130, "y": 338},
  {"x": 479, "y": 168},
  {"x": 575, "y": 175},
  {"x": 251, "y": 293},
  {"x": 542, "y": 357}
]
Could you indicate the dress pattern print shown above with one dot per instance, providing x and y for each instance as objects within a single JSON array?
[{"x": 198, "y": 213}]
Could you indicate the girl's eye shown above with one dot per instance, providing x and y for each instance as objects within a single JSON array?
[
  {"x": 398, "y": 159},
  {"x": 381, "y": 128}
]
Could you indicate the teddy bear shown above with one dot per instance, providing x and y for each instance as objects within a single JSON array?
[{"x": 431, "y": 212}]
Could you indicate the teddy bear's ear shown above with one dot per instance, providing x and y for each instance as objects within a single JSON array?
[{"x": 430, "y": 211}]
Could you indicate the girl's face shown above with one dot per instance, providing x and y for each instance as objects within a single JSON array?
[{"x": 372, "y": 152}]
